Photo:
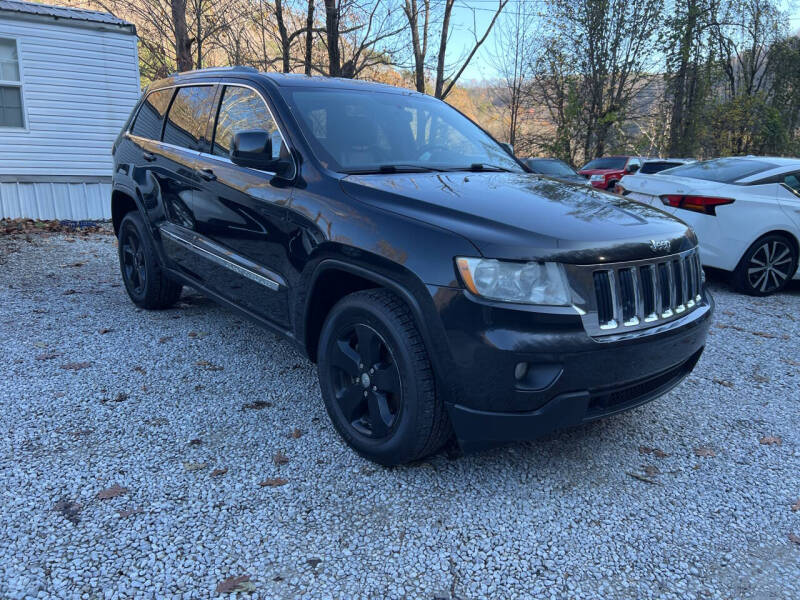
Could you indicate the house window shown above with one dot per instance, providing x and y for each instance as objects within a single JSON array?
[{"x": 11, "y": 114}]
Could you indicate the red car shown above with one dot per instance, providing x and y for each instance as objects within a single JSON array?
[{"x": 605, "y": 172}]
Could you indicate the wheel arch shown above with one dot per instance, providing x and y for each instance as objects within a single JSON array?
[
  {"x": 791, "y": 237},
  {"x": 122, "y": 203}
]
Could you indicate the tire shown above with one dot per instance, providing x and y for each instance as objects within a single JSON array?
[
  {"x": 767, "y": 266},
  {"x": 612, "y": 185},
  {"x": 146, "y": 283},
  {"x": 377, "y": 381}
]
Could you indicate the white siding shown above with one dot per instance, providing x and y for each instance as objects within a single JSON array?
[
  {"x": 79, "y": 85},
  {"x": 56, "y": 200}
]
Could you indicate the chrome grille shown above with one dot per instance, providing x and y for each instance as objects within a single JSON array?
[{"x": 628, "y": 296}]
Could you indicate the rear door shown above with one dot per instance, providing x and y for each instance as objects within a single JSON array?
[
  {"x": 185, "y": 136},
  {"x": 241, "y": 212},
  {"x": 789, "y": 197}
]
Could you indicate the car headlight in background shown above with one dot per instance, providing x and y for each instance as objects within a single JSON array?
[
  {"x": 597, "y": 178},
  {"x": 528, "y": 282}
]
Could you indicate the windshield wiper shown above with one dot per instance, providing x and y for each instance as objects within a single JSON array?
[
  {"x": 477, "y": 167},
  {"x": 395, "y": 168}
]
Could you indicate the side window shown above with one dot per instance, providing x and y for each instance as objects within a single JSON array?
[
  {"x": 188, "y": 117},
  {"x": 11, "y": 111},
  {"x": 792, "y": 181},
  {"x": 242, "y": 109},
  {"x": 151, "y": 114}
]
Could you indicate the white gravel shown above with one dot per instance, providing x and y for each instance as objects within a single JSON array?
[{"x": 561, "y": 517}]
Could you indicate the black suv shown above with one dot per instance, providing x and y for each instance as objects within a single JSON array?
[{"x": 441, "y": 287}]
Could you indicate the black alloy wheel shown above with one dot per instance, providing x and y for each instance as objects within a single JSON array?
[
  {"x": 377, "y": 380},
  {"x": 767, "y": 266},
  {"x": 133, "y": 262},
  {"x": 366, "y": 381}
]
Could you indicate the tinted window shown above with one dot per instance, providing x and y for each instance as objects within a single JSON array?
[
  {"x": 656, "y": 166},
  {"x": 242, "y": 109},
  {"x": 150, "y": 116},
  {"x": 722, "y": 170},
  {"x": 363, "y": 130},
  {"x": 550, "y": 167},
  {"x": 610, "y": 162},
  {"x": 188, "y": 117}
]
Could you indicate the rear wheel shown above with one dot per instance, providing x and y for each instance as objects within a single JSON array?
[
  {"x": 767, "y": 266},
  {"x": 377, "y": 382},
  {"x": 146, "y": 283}
]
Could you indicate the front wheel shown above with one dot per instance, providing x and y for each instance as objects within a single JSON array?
[
  {"x": 377, "y": 381},
  {"x": 766, "y": 267}
]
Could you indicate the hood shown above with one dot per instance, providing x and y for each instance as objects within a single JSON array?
[
  {"x": 521, "y": 216},
  {"x": 599, "y": 171}
]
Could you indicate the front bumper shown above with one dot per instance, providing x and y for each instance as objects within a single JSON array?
[{"x": 570, "y": 378}]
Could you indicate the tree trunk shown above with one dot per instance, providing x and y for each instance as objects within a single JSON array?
[
  {"x": 332, "y": 37},
  {"x": 419, "y": 48},
  {"x": 440, "y": 64},
  {"x": 309, "y": 37},
  {"x": 285, "y": 42},
  {"x": 183, "y": 45}
]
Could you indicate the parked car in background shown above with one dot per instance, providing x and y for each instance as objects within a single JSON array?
[
  {"x": 651, "y": 166},
  {"x": 745, "y": 211},
  {"x": 555, "y": 168},
  {"x": 605, "y": 172},
  {"x": 441, "y": 289}
]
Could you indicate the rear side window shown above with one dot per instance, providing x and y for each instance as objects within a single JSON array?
[
  {"x": 188, "y": 117},
  {"x": 793, "y": 182},
  {"x": 723, "y": 170},
  {"x": 656, "y": 166},
  {"x": 151, "y": 115},
  {"x": 243, "y": 109}
]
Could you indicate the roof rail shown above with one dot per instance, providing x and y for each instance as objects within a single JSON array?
[{"x": 238, "y": 68}]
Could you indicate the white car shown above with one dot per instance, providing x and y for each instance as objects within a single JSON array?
[{"x": 745, "y": 211}]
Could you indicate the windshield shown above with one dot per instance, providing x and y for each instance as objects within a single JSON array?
[
  {"x": 722, "y": 170},
  {"x": 353, "y": 131},
  {"x": 547, "y": 166},
  {"x": 611, "y": 162}
]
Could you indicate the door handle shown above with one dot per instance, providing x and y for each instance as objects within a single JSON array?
[
  {"x": 149, "y": 156},
  {"x": 207, "y": 174}
]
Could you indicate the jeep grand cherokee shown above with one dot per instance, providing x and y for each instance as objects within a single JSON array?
[{"x": 440, "y": 287}]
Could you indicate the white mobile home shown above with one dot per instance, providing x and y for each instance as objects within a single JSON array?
[{"x": 69, "y": 78}]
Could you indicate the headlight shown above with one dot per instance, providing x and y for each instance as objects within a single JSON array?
[
  {"x": 529, "y": 283},
  {"x": 597, "y": 178}
]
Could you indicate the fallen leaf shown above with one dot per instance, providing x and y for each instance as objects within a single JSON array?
[
  {"x": 195, "y": 442},
  {"x": 208, "y": 366},
  {"x": 139, "y": 369},
  {"x": 274, "y": 482},
  {"x": 48, "y": 356},
  {"x": 70, "y": 292},
  {"x": 771, "y": 440},
  {"x": 111, "y": 492},
  {"x": 104, "y": 330},
  {"x": 192, "y": 466},
  {"x": 657, "y": 452},
  {"x": 723, "y": 382},
  {"x": 794, "y": 538},
  {"x": 789, "y": 361},
  {"x": 641, "y": 478},
  {"x": 69, "y": 510},
  {"x": 763, "y": 334},
  {"x": 650, "y": 470},
  {"x": 256, "y": 405},
  {"x": 313, "y": 561},
  {"x": 76, "y": 366},
  {"x": 81, "y": 432},
  {"x": 704, "y": 451},
  {"x": 796, "y": 506},
  {"x": 164, "y": 339},
  {"x": 233, "y": 585},
  {"x": 758, "y": 378},
  {"x": 219, "y": 472},
  {"x": 280, "y": 458},
  {"x": 121, "y": 397},
  {"x": 130, "y": 512},
  {"x": 295, "y": 434}
]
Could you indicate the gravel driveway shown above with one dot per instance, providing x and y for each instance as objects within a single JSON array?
[{"x": 226, "y": 465}]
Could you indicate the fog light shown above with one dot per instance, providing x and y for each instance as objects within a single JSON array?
[{"x": 520, "y": 370}]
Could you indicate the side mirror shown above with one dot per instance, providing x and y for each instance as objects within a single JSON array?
[
  {"x": 253, "y": 149},
  {"x": 507, "y": 147}
]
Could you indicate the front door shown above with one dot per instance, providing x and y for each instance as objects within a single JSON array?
[{"x": 240, "y": 213}]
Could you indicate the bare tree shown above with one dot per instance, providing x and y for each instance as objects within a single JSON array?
[
  {"x": 418, "y": 15},
  {"x": 444, "y": 82}
]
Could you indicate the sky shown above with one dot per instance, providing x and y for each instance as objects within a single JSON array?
[{"x": 481, "y": 67}]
